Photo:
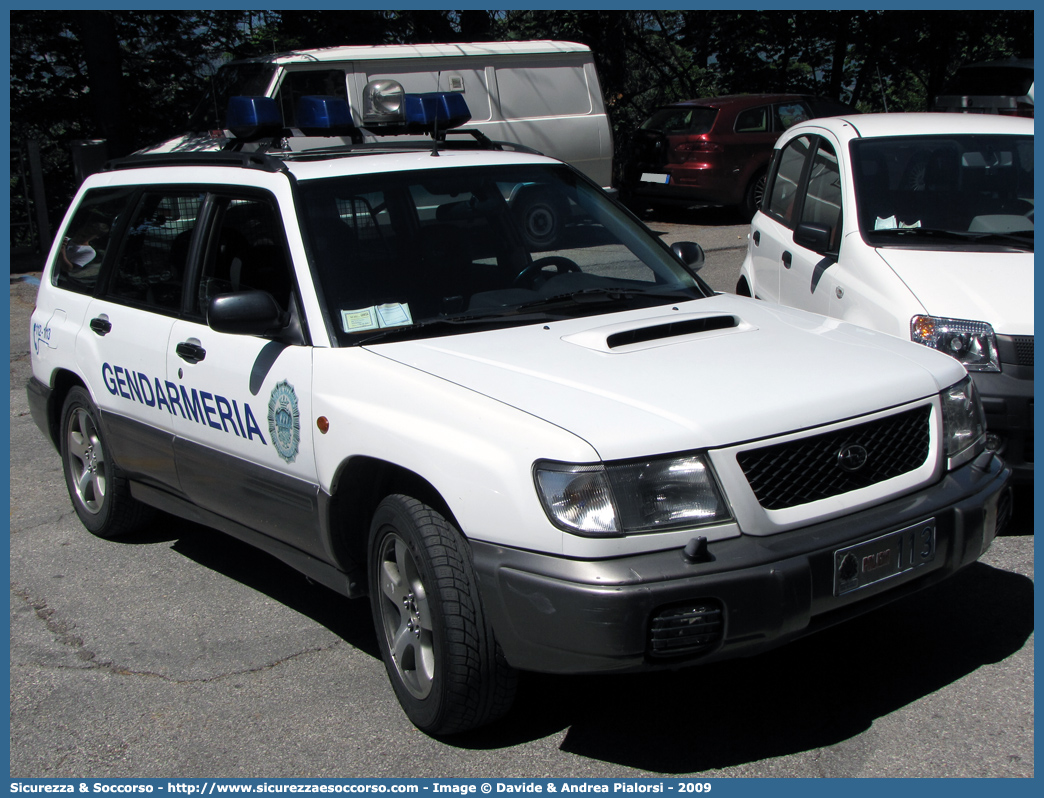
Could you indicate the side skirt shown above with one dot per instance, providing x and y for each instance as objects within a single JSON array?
[{"x": 313, "y": 568}]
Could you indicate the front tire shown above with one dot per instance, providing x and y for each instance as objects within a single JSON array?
[
  {"x": 438, "y": 648},
  {"x": 100, "y": 494}
]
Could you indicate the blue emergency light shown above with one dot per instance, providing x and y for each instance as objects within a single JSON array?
[
  {"x": 252, "y": 118},
  {"x": 434, "y": 111},
  {"x": 324, "y": 115}
]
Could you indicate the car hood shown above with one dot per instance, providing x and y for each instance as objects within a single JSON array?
[
  {"x": 995, "y": 287},
  {"x": 770, "y": 370}
]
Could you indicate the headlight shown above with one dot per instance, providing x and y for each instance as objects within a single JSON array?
[
  {"x": 964, "y": 423},
  {"x": 971, "y": 342},
  {"x": 624, "y": 498}
]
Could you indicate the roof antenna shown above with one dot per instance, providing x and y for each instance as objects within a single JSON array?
[{"x": 435, "y": 130}]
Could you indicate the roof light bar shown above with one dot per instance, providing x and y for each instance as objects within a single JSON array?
[
  {"x": 324, "y": 115},
  {"x": 434, "y": 111},
  {"x": 252, "y": 118}
]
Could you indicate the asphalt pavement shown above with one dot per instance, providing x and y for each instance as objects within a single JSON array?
[{"x": 184, "y": 653}]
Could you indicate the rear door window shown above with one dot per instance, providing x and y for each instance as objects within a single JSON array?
[{"x": 150, "y": 268}]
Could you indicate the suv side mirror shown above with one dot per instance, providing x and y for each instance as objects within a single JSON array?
[
  {"x": 245, "y": 313},
  {"x": 689, "y": 253},
  {"x": 813, "y": 236}
]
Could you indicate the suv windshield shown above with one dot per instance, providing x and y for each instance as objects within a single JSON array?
[
  {"x": 960, "y": 190},
  {"x": 443, "y": 250}
]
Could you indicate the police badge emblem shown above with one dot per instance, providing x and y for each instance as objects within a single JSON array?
[{"x": 284, "y": 421}]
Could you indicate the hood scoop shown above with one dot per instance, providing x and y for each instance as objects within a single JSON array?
[
  {"x": 672, "y": 329},
  {"x": 657, "y": 332}
]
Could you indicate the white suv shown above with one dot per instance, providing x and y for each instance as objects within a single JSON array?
[
  {"x": 570, "y": 460},
  {"x": 917, "y": 225}
]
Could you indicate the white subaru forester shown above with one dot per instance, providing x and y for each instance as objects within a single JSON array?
[{"x": 569, "y": 460}]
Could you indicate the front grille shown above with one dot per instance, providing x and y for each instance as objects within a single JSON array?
[
  {"x": 685, "y": 629},
  {"x": 821, "y": 466},
  {"x": 1024, "y": 349}
]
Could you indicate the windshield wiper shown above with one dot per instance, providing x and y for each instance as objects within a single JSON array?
[{"x": 590, "y": 296}]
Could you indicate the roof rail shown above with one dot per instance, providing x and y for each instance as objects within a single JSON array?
[
  {"x": 243, "y": 160},
  {"x": 479, "y": 141}
]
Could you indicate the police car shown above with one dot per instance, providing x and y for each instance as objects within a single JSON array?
[{"x": 569, "y": 460}]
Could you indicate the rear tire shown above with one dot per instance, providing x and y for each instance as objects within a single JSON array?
[
  {"x": 447, "y": 671},
  {"x": 100, "y": 494}
]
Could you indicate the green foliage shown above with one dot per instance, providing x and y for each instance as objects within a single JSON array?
[{"x": 133, "y": 77}]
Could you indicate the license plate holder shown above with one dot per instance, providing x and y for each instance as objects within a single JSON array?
[{"x": 884, "y": 557}]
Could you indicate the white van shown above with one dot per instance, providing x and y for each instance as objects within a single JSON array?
[{"x": 541, "y": 94}]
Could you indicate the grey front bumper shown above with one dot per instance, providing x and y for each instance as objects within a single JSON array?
[{"x": 556, "y": 615}]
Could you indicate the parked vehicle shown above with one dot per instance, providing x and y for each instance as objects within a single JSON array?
[
  {"x": 569, "y": 460},
  {"x": 541, "y": 94},
  {"x": 713, "y": 151},
  {"x": 918, "y": 225},
  {"x": 991, "y": 87}
]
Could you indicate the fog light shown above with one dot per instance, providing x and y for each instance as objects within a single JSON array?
[{"x": 995, "y": 442}]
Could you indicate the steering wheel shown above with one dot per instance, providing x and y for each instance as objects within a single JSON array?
[{"x": 528, "y": 276}]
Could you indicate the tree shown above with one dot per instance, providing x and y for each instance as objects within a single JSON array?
[{"x": 133, "y": 77}]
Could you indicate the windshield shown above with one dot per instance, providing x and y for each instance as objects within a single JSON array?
[
  {"x": 251, "y": 80},
  {"x": 455, "y": 248},
  {"x": 964, "y": 191}
]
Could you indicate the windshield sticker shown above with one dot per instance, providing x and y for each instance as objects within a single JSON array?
[
  {"x": 375, "y": 317},
  {"x": 284, "y": 421},
  {"x": 891, "y": 223},
  {"x": 202, "y": 407}
]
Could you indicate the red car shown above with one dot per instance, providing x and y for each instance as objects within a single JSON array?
[{"x": 713, "y": 151}]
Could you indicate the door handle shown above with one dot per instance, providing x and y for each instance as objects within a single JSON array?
[
  {"x": 787, "y": 258},
  {"x": 101, "y": 325},
  {"x": 756, "y": 237},
  {"x": 192, "y": 353}
]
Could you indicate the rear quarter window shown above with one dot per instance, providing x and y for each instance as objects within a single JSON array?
[{"x": 85, "y": 244}]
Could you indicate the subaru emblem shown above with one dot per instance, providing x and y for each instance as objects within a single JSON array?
[{"x": 852, "y": 457}]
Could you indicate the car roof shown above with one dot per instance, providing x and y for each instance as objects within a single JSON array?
[
  {"x": 387, "y": 51},
  {"x": 309, "y": 167},
  {"x": 916, "y": 124},
  {"x": 304, "y": 165},
  {"x": 728, "y": 100}
]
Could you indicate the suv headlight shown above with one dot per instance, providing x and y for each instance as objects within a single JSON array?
[
  {"x": 971, "y": 342},
  {"x": 636, "y": 496},
  {"x": 964, "y": 423}
]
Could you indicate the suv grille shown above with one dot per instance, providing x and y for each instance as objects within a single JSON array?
[
  {"x": 820, "y": 466},
  {"x": 1024, "y": 349},
  {"x": 685, "y": 629}
]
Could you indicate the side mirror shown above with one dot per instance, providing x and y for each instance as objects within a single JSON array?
[
  {"x": 813, "y": 236},
  {"x": 245, "y": 313},
  {"x": 689, "y": 253}
]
